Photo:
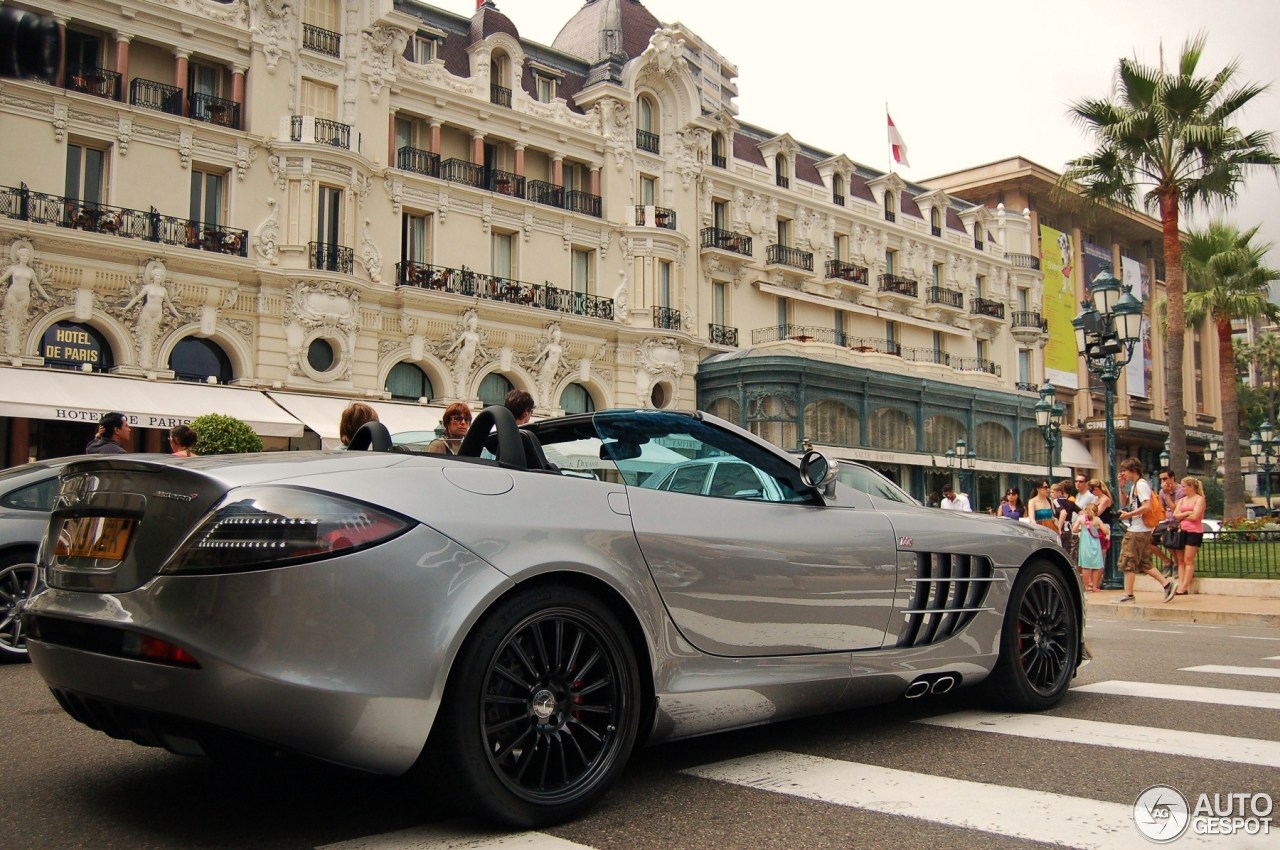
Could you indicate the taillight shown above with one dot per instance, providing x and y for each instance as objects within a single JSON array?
[{"x": 257, "y": 527}]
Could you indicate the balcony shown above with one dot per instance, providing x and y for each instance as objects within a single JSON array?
[
  {"x": 649, "y": 216},
  {"x": 90, "y": 79},
  {"x": 987, "y": 307},
  {"x": 464, "y": 172},
  {"x": 472, "y": 285},
  {"x": 500, "y": 95},
  {"x": 324, "y": 256},
  {"x": 898, "y": 285},
  {"x": 837, "y": 199},
  {"x": 890, "y": 216},
  {"x": 148, "y": 94},
  {"x": 879, "y": 345},
  {"x": 782, "y": 182},
  {"x": 325, "y": 132},
  {"x": 945, "y": 297},
  {"x": 1026, "y": 319},
  {"x": 505, "y": 183},
  {"x": 726, "y": 240},
  {"x": 215, "y": 110},
  {"x": 647, "y": 141},
  {"x": 796, "y": 333},
  {"x": 582, "y": 202},
  {"x": 840, "y": 270},
  {"x": 542, "y": 192},
  {"x": 781, "y": 255},
  {"x": 321, "y": 40},
  {"x": 37, "y": 207},
  {"x": 665, "y": 318},
  {"x": 722, "y": 335},
  {"x": 719, "y": 161},
  {"x": 1024, "y": 261},
  {"x": 418, "y": 161},
  {"x": 975, "y": 364},
  {"x": 935, "y": 230},
  {"x": 977, "y": 243}
]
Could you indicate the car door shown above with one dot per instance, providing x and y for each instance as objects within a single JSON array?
[{"x": 765, "y": 567}]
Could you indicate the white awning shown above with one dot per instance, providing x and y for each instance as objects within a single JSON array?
[
  {"x": 83, "y": 397},
  {"x": 321, "y": 414},
  {"x": 1075, "y": 454}
]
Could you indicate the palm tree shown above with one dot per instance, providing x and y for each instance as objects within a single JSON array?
[
  {"x": 1170, "y": 135},
  {"x": 1226, "y": 280}
]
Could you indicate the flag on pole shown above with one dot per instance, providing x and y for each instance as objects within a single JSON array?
[{"x": 896, "y": 144}]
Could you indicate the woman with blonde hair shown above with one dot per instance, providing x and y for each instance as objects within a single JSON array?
[
  {"x": 1094, "y": 536},
  {"x": 1105, "y": 500},
  {"x": 1189, "y": 514}
]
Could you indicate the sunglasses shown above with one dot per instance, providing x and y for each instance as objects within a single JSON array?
[{"x": 458, "y": 417}]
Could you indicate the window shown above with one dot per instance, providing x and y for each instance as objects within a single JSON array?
[
  {"x": 406, "y": 381},
  {"x": 329, "y": 215},
  {"x": 498, "y": 70},
  {"x": 204, "y": 79},
  {"x": 935, "y": 222},
  {"x": 890, "y": 256},
  {"x": 86, "y": 173},
  {"x": 781, "y": 173},
  {"x": 83, "y": 49},
  {"x": 207, "y": 194},
  {"x": 891, "y": 334},
  {"x": 1024, "y": 366},
  {"x": 890, "y": 207},
  {"x": 939, "y": 347},
  {"x": 983, "y": 347},
  {"x": 937, "y": 274},
  {"x": 494, "y": 389},
  {"x": 720, "y": 214},
  {"x": 784, "y": 232},
  {"x": 196, "y": 359},
  {"x": 414, "y": 238},
  {"x": 1024, "y": 300},
  {"x": 664, "y": 284},
  {"x": 421, "y": 49},
  {"x": 320, "y": 356},
  {"x": 838, "y": 245},
  {"x": 547, "y": 87},
  {"x": 837, "y": 188},
  {"x": 717, "y": 151},
  {"x": 319, "y": 100},
  {"x": 838, "y": 326},
  {"x": 648, "y": 190},
  {"x": 321, "y": 13},
  {"x": 503, "y": 258},
  {"x": 980, "y": 285},
  {"x": 576, "y": 399},
  {"x": 583, "y": 272},
  {"x": 784, "y": 314},
  {"x": 405, "y": 133},
  {"x": 718, "y": 296},
  {"x": 645, "y": 117}
]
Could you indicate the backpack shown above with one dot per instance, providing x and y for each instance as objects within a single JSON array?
[{"x": 1154, "y": 513}]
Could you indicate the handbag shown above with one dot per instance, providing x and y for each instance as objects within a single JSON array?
[{"x": 1175, "y": 538}]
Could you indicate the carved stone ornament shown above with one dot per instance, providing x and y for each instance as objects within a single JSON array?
[
  {"x": 184, "y": 147},
  {"x": 246, "y": 154},
  {"x": 59, "y": 122},
  {"x": 690, "y": 145},
  {"x": 379, "y": 46},
  {"x": 657, "y": 360},
  {"x": 665, "y": 51},
  {"x": 322, "y": 308},
  {"x": 615, "y": 118},
  {"x": 24, "y": 280},
  {"x": 266, "y": 236},
  {"x": 149, "y": 306},
  {"x": 370, "y": 256},
  {"x": 547, "y": 362},
  {"x": 464, "y": 349}
]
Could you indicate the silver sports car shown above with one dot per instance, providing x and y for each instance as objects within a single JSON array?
[{"x": 519, "y": 616}]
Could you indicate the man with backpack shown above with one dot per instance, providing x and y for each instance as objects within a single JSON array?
[{"x": 1143, "y": 512}]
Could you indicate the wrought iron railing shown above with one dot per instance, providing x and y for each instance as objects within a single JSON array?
[
  {"x": 504, "y": 183},
  {"x": 935, "y": 230},
  {"x": 327, "y": 132},
  {"x": 41, "y": 208},
  {"x": 782, "y": 182},
  {"x": 987, "y": 307},
  {"x": 666, "y": 318},
  {"x": 463, "y": 171},
  {"x": 418, "y": 161},
  {"x": 726, "y": 240},
  {"x": 718, "y": 161},
  {"x": 326, "y": 256},
  {"x": 90, "y": 79},
  {"x": 889, "y": 215},
  {"x": 1026, "y": 387},
  {"x": 1240, "y": 553},
  {"x": 215, "y": 110},
  {"x": 977, "y": 243},
  {"x": 975, "y": 364},
  {"x": 647, "y": 141},
  {"x": 898, "y": 285},
  {"x": 837, "y": 199},
  {"x": 499, "y": 95},
  {"x": 321, "y": 40},
  {"x": 471, "y": 284},
  {"x": 149, "y": 94},
  {"x": 797, "y": 333},
  {"x": 542, "y": 192},
  {"x": 662, "y": 217},
  {"x": 1024, "y": 261},
  {"x": 841, "y": 270},
  {"x": 722, "y": 335},
  {"x": 786, "y": 256},
  {"x": 945, "y": 297},
  {"x": 1028, "y": 319},
  {"x": 582, "y": 202}
]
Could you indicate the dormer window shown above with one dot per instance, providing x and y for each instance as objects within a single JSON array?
[
  {"x": 647, "y": 138},
  {"x": 422, "y": 48},
  {"x": 935, "y": 222},
  {"x": 499, "y": 92},
  {"x": 837, "y": 189},
  {"x": 548, "y": 87},
  {"x": 718, "y": 159},
  {"x": 781, "y": 171},
  {"x": 890, "y": 206}
]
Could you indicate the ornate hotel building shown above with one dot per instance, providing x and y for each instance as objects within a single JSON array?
[{"x": 272, "y": 207}]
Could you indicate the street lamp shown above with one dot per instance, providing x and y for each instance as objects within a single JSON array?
[
  {"x": 1264, "y": 449},
  {"x": 962, "y": 459},
  {"x": 1164, "y": 455},
  {"x": 1107, "y": 330},
  {"x": 1212, "y": 454},
  {"x": 1049, "y": 413}
]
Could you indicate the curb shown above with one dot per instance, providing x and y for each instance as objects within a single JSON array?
[{"x": 1166, "y": 614}]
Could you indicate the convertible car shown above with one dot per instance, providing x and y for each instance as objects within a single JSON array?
[{"x": 520, "y": 616}]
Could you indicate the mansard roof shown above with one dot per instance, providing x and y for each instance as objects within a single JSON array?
[{"x": 582, "y": 36}]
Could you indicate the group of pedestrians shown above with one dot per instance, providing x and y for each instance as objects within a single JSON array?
[{"x": 115, "y": 437}]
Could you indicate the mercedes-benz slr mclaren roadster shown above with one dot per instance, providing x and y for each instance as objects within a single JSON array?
[{"x": 519, "y": 616}]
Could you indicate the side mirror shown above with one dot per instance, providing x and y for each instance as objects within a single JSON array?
[{"x": 818, "y": 471}]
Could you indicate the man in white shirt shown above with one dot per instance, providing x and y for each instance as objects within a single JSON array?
[
  {"x": 1135, "y": 556},
  {"x": 953, "y": 501},
  {"x": 1083, "y": 494}
]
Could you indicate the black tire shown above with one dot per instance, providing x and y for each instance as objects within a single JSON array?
[
  {"x": 1039, "y": 642},
  {"x": 17, "y": 574},
  {"x": 542, "y": 709}
]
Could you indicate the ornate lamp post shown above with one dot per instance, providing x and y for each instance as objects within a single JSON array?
[
  {"x": 1107, "y": 329},
  {"x": 1049, "y": 413},
  {"x": 1264, "y": 449},
  {"x": 1212, "y": 454},
  {"x": 962, "y": 459},
  {"x": 1164, "y": 455}
]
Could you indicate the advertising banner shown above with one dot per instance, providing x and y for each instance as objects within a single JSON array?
[
  {"x": 1059, "y": 307},
  {"x": 1138, "y": 372}
]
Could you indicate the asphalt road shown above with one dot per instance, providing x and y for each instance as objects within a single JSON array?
[{"x": 886, "y": 777}]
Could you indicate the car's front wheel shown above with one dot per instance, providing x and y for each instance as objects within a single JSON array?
[
  {"x": 543, "y": 706},
  {"x": 1039, "y": 643},
  {"x": 17, "y": 580}
]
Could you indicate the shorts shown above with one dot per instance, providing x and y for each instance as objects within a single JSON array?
[
  {"x": 1195, "y": 538},
  {"x": 1135, "y": 556}
]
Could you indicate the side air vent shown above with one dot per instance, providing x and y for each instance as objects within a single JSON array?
[{"x": 948, "y": 590}]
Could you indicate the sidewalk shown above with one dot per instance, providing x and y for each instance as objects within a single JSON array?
[{"x": 1213, "y": 601}]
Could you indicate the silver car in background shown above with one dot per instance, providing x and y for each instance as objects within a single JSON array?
[{"x": 519, "y": 623}]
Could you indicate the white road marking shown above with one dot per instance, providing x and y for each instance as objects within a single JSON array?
[
  {"x": 1147, "y": 739},
  {"x": 456, "y": 835},
  {"x": 1001, "y": 810},
  {"x": 1160, "y": 631},
  {"x": 1252, "y": 637},
  {"x": 1272, "y": 658},
  {"x": 1265, "y": 672},
  {"x": 1185, "y": 693}
]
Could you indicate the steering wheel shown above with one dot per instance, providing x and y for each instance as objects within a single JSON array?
[
  {"x": 510, "y": 446},
  {"x": 370, "y": 437}
]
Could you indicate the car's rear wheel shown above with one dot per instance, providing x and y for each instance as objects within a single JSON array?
[
  {"x": 17, "y": 579},
  {"x": 542, "y": 710},
  {"x": 1039, "y": 643}
]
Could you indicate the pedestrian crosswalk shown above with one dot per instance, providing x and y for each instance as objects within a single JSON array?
[{"x": 946, "y": 802}]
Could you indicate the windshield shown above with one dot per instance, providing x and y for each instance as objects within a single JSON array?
[{"x": 872, "y": 483}]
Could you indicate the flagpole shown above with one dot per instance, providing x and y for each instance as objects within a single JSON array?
[{"x": 888, "y": 144}]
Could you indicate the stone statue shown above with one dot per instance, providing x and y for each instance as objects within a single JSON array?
[
  {"x": 154, "y": 297},
  {"x": 21, "y": 278},
  {"x": 547, "y": 360},
  {"x": 464, "y": 349}
]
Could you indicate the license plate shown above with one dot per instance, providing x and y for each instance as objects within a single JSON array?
[{"x": 102, "y": 538}]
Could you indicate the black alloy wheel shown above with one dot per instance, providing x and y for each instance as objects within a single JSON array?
[
  {"x": 17, "y": 581},
  {"x": 1040, "y": 642}
]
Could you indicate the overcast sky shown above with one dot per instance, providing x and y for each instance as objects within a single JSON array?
[{"x": 966, "y": 83}]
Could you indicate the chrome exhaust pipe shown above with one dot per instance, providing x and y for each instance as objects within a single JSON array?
[
  {"x": 917, "y": 689},
  {"x": 942, "y": 684}
]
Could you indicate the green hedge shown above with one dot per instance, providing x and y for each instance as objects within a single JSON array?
[{"x": 224, "y": 435}]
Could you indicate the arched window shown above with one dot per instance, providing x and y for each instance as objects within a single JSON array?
[
  {"x": 773, "y": 418},
  {"x": 781, "y": 171},
  {"x": 196, "y": 359},
  {"x": 577, "y": 399},
  {"x": 494, "y": 388},
  {"x": 941, "y": 433},
  {"x": 1031, "y": 444},
  {"x": 935, "y": 221},
  {"x": 993, "y": 440},
  {"x": 891, "y": 429},
  {"x": 727, "y": 409},
  {"x": 890, "y": 206},
  {"x": 837, "y": 188},
  {"x": 831, "y": 423},
  {"x": 407, "y": 381},
  {"x": 73, "y": 345},
  {"x": 718, "y": 159},
  {"x": 645, "y": 116}
]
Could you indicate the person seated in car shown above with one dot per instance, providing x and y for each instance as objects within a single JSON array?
[
  {"x": 356, "y": 414},
  {"x": 520, "y": 403},
  {"x": 457, "y": 421}
]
